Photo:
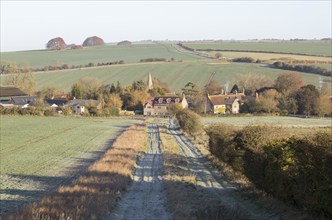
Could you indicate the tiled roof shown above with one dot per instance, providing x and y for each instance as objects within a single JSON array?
[
  {"x": 58, "y": 102},
  {"x": 217, "y": 100},
  {"x": 11, "y": 91},
  {"x": 229, "y": 101},
  {"x": 83, "y": 102},
  {"x": 166, "y": 100},
  {"x": 23, "y": 100}
]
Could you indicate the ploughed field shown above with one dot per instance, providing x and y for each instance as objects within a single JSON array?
[
  {"x": 40, "y": 153},
  {"x": 318, "y": 48}
]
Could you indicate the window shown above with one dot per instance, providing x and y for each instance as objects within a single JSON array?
[
  {"x": 168, "y": 100},
  {"x": 177, "y": 100},
  {"x": 160, "y": 100}
]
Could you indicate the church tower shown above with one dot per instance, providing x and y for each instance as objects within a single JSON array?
[{"x": 150, "y": 84}]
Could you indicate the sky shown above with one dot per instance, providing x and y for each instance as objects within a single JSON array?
[{"x": 28, "y": 25}]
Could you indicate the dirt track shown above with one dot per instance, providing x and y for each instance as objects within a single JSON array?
[{"x": 145, "y": 198}]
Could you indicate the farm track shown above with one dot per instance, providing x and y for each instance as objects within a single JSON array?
[
  {"x": 145, "y": 198},
  {"x": 212, "y": 184}
]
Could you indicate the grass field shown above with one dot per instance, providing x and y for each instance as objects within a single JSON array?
[
  {"x": 311, "y": 48},
  {"x": 130, "y": 54},
  {"x": 176, "y": 74},
  {"x": 40, "y": 153},
  {"x": 271, "y": 120}
]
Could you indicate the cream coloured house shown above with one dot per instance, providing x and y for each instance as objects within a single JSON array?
[{"x": 158, "y": 106}]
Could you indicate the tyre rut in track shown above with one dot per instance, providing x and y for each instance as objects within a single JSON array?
[{"x": 145, "y": 198}]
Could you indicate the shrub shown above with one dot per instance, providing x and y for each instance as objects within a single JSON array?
[
  {"x": 189, "y": 121},
  {"x": 222, "y": 146},
  {"x": 244, "y": 60},
  {"x": 49, "y": 112},
  {"x": 24, "y": 111},
  {"x": 110, "y": 112}
]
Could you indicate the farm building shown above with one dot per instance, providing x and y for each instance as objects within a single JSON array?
[
  {"x": 12, "y": 96},
  {"x": 159, "y": 105},
  {"x": 55, "y": 103}
]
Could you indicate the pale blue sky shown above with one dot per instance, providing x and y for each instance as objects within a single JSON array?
[{"x": 30, "y": 24}]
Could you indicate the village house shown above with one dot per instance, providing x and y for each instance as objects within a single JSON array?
[
  {"x": 159, "y": 105},
  {"x": 80, "y": 106},
  {"x": 225, "y": 102}
]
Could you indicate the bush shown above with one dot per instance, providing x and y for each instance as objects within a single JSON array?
[
  {"x": 222, "y": 146},
  {"x": 189, "y": 121},
  {"x": 24, "y": 111},
  {"x": 67, "y": 111},
  {"x": 49, "y": 112},
  {"x": 110, "y": 112},
  {"x": 244, "y": 60}
]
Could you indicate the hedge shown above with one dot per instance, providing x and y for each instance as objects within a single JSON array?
[{"x": 296, "y": 170}]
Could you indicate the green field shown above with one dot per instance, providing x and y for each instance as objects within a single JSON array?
[
  {"x": 271, "y": 120},
  {"x": 187, "y": 67},
  {"x": 130, "y": 54},
  {"x": 40, "y": 153},
  {"x": 176, "y": 74},
  {"x": 319, "y": 48}
]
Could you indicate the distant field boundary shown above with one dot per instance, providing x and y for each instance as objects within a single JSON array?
[{"x": 251, "y": 51}]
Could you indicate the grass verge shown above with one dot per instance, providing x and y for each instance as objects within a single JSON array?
[{"x": 97, "y": 191}]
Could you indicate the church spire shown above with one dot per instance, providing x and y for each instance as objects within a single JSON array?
[{"x": 150, "y": 84}]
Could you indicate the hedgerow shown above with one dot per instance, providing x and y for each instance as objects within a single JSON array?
[{"x": 294, "y": 169}]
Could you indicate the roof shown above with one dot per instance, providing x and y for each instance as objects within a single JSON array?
[
  {"x": 163, "y": 100},
  {"x": 23, "y": 100},
  {"x": 217, "y": 100},
  {"x": 230, "y": 101},
  {"x": 83, "y": 102},
  {"x": 58, "y": 102},
  {"x": 11, "y": 91},
  {"x": 6, "y": 105}
]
